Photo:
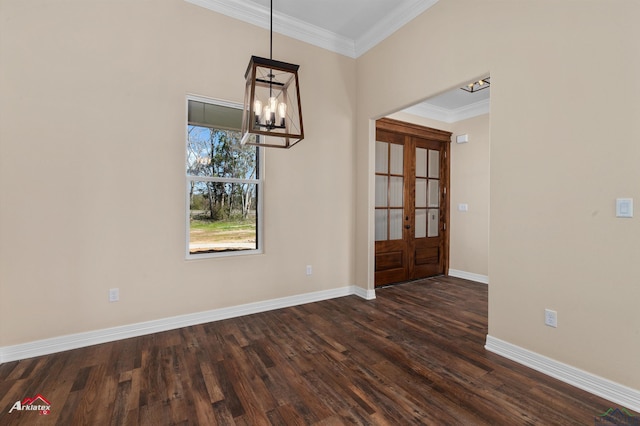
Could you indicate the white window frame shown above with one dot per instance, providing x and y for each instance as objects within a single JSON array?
[{"x": 259, "y": 181}]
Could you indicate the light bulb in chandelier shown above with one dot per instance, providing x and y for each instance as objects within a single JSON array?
[
  {"x": 257, "y": 110},
  {"x": 282, "y": 113},
  {"x": 273, "y": 107}
]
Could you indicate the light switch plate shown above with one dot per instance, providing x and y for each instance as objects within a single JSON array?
[
  {"x": 624, "y": 207},
  {"x": 114, "y": 294}
]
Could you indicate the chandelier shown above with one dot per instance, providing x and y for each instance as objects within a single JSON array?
[
  {"x": 272, "y": 115},
  {"x": 477, "y": 85}
]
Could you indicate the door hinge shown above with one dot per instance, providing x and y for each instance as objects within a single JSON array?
[
  {"x": 445, "y": 190},
  {"x": 445, "y": 226}
]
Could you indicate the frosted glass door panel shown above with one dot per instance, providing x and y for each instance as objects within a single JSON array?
[
  {"x": 432, "y": 223},
  {"x": 396, "y": 189},
  {"x": 434, "y": 163},
  {"x": 421, "y": 162},
  {"x": 381, "y": 225},
  {"x": 421, "y": 192},
  {"x": 395, "y": 224},
  {"x": 433, "y": 193},
  {"x": 381, "y": 191},
  {"x": 382, "y": 157},
  {"x": 421, "y": 223},
  {"x": 389, "y": 191},
  {"x": 396, "y": 166}
]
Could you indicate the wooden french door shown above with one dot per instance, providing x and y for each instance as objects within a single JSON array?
[{"x": 411, "y": 202}]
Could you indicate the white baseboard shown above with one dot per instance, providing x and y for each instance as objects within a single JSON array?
[
  {"x": 612, "y": 391},
  {"x": 365, "y": 294},
  {"x": 80, "y": 340},
  {"x": 469, "y": 276}
]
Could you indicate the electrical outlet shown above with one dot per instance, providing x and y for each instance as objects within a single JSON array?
[
  {"x": 551, "y": 318},
  {"x": 309, "y": 270},
  {"x": 114, "y": 294}
]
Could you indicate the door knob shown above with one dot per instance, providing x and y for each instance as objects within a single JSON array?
[{"x": 407, "y": 226}]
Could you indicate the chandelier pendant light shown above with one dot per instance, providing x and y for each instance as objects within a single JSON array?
[
  {"x": 272, "y": 115},
  {"x": 476, "y": 86}
]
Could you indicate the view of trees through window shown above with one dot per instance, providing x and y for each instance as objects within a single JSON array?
[{"x": 223, "y": 179}]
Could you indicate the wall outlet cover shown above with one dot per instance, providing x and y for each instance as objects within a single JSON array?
[{"x": 551, "y": 318}]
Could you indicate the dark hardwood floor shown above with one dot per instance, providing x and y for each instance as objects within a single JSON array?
[{"x": 415, "y": 355}]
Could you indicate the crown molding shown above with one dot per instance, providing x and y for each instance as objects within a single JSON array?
[
  {"x": 282, "y": 24},
  {"x": 430, "y": 111},
  {"x": 291, "y": 27},
  {"x": 392, "y": 23},
  {"x": 433, "y": 112}
]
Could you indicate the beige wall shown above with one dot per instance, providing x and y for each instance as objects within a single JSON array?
[
  {"x": 563, "y": 147},
  {"x": 469, "y": 180},
  {"x": 92, "y": 164},
  {"x": 470, "y": 185},
  {"x": 92, "y": 174}
]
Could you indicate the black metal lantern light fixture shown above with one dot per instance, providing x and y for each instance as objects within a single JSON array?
[{"x": 272, "y": 115}]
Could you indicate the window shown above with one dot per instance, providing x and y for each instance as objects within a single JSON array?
[{"x": 223, "y": 182}]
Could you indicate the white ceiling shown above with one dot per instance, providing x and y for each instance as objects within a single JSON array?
[
  {"x": 454, "y": 105},
  {"x": 352, "y": 18},
  {"x": 350, "y": 28}
]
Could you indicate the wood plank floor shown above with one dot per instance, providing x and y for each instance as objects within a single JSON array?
[{"x": 415, "y": 355}]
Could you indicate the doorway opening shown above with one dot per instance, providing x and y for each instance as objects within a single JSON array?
[
  {"x": 465, "y": 116},
  {"x": 411, "y": 203}
]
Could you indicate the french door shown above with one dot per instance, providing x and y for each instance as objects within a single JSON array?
[{"x": 411, "y": 202}]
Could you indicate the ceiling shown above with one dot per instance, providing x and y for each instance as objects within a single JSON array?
[
  {"x": 453, "y": 105},
  {"x": 350, "y": 28},
  {"x": 353, "y": 18}
]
